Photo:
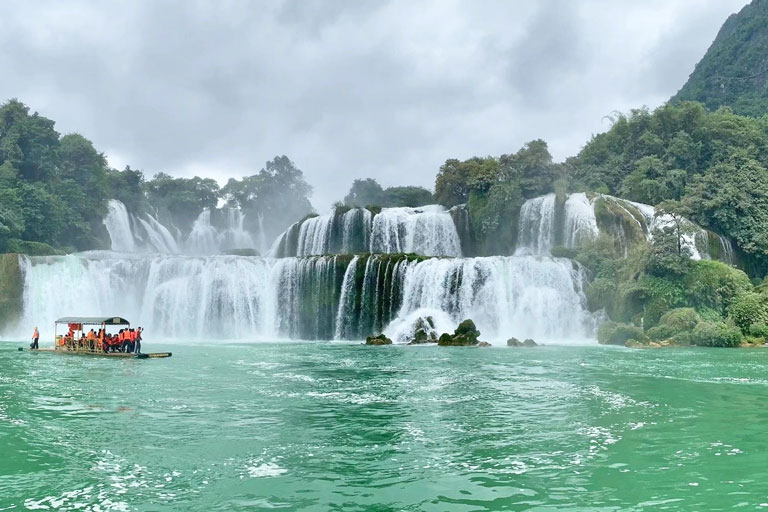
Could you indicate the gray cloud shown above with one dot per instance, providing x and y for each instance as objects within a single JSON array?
[{"x": 385, "y": 89}]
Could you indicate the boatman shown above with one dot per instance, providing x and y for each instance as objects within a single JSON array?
[{"x": 35, "y": 338}]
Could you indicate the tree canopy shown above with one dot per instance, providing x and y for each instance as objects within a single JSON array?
[{"x": 368, "y": 192}]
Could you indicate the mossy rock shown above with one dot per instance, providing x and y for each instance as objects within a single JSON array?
[
  {"x": 674, "y": 322},
  {"x": 11, "y": 289},
  {"x": 465, "y": 335},
  {"x": 33, "y": 248},
  {"x": 530, "y": 343},
  {"x": 611, "y": 333},
  {"x": 381, "y": 339},
  {"x": 241, "y": 252},
  {"x": 514, "y": 342}
]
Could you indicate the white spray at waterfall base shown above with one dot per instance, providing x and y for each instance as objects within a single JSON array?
[{"x": 252, "y": 298}]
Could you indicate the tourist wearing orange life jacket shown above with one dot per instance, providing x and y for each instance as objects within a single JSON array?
[{"x": 35, "y": 338}]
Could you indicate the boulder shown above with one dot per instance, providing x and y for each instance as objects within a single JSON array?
[
  {"x": 483, "y": 344},
  {"x": 513, "y": 342},
  {"x": 465, "y": 335},
  {"x": 381, "y": 339},
  {"x": 529, "y": 343}
]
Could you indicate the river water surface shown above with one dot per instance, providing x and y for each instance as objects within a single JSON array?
[{"x": 322, "y": 426}]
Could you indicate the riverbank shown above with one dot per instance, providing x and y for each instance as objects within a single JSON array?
[{"x": 323, "y": 426}]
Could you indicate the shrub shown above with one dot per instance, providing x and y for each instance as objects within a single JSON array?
[
  {"x": 715, "y": 285},
  {"x": 674, "y": 322},
  {"x": 563, "y": 252},
  {"x": 601, "y": 294},
  {"x": 611, "y": 333},
  {"x": 718, "y": 334},
  {"x": 747, "y": 309},
  {"x": 759, "y": 331}
]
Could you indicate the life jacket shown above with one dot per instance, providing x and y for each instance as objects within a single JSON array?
[
  {"x": 133, "y": 335},
  {"x": 35, "y": 334}
]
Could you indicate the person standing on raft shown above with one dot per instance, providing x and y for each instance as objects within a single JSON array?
[{"x": 35, "y": 338}]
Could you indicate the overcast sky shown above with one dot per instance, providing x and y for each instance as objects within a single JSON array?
[{"x": 354, "y": 89}]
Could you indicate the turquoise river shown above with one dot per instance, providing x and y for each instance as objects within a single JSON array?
[{"x": 329, "y": 426}]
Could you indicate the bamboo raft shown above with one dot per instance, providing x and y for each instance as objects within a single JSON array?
[
  {"x": 124, "y": 355},
  {"x": 81, "y": 348}
]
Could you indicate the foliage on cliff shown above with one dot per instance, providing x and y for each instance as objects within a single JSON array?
[
  {"x": 494, "y": 189},
  {"x": 734, "y": 71},
  {"x": 714, "y": 164},
  {"x": 659, "y": 294},
  {"x": 54, "y": 189}
]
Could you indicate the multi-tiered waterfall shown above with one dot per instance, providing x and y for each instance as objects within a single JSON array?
[
  {"x": 146, "y": 234},
  {"x": 344, "y": 275},
  {"x": 428, "y": 230},
  {"x": 546, "y": 223}
]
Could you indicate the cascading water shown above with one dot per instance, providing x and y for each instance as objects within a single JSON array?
[
  {"x": 539, "y": 230},
  {"x": 580, "y": 222},
  {"x": 428, "y": 231},
  {"x": 536, "y": 297},
  {"x": 537, "y": 225},
  {"x": 146, "y": 234},
  {"x": 207, "y": 239},
  {"x": 320, "y": 297},
  {"x": 118, "y": 224}
]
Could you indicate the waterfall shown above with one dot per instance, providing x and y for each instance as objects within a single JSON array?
[
  {"x": 726, "y": 250},
  {"x": 263, "y": 244},
  {"x": 541, "y": 298},
  {"x": 207, "y": 239},
  {"x": 539, "y": 232},
  {"x": 118, "y": 225},
  {"x": 427, "y": 230},
  {"x": 580, "y": 222},
  {"x": 319, "y": 297},
  {"x": 346, "y": 300},
  {"x": 203, "y": 237},
  {"x": 159, "y": 238},
  {"x": 537, "y": 222}
]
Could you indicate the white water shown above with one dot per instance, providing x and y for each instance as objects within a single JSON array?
[
  {"x": 524, "y": 297},
  {"x": 427, "y": 230},
  {"x": 207, "y": 239},
  {"x": 118, "y": 225},
  {"x": 537, "y": 225},
  {"x": 537, "y": 231},
  {"x": 580, "y": 223},
  {"x": 146, "y": 234},
  {"x": 252, "y": 298}
]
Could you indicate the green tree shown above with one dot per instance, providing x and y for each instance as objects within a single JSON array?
[{"x": 365, "y": 192}]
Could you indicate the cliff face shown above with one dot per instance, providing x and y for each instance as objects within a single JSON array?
[
  {"x": 10, "y": 291},
  {"x": 734, "y": 71}
]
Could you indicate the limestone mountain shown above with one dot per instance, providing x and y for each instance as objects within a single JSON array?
[{"x": 734, "y": 71}]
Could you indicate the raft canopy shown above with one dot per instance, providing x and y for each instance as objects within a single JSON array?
[{"x": 93, "y": 320}]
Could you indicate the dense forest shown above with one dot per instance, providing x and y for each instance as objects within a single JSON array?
[
  {"x": 54, "y": 189},
  {"x": 734, "y": 71}
]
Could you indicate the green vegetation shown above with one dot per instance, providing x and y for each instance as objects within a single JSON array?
[
  {"x": 494, "y": 189},
  {"x": 10, "y": 289},
  {"x": 54, "y": 190},
  {"x": 734, "y": 71},
  {"x": 368, "y": 192},
  {"x": 711, "y": 167}
]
